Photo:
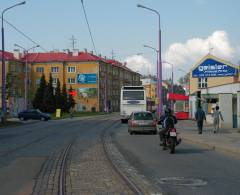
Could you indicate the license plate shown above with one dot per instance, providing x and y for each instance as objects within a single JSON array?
[{"x": 174, "y": 134}]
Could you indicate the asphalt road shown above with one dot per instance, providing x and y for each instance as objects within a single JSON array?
[
  {"x": 192, "y": 170},
  {"x": 28, "y": 151}
]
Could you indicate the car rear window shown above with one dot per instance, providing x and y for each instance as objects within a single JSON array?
[{"x": 143, "y": 116}]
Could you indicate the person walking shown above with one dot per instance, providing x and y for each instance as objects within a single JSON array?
[
  {"x": 217, "y": 115},
  {"x": 200, "y": 117}
]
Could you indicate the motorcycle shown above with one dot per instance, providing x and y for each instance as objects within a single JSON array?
[{"x": 170, "y": 139}]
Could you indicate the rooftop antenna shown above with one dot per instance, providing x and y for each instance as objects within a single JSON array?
[
  {"x": 113, "y": 54},
  {"x": 210, "y": 48},
  {"x": 73, "y": 42}
]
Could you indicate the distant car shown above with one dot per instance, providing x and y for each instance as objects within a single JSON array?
[
  {"x": 33, "y": 114},
  {"x": 143, "y": 121}
]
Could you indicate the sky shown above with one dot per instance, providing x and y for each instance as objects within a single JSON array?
[{"x": 190, "y": 29}]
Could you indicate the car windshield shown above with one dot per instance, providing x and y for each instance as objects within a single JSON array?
[{"x": 143, "y": 116}]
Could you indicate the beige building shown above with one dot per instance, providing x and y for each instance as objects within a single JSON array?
[
  {"x": 214, "y": 81},
  {"x": 96, "y": 80}
]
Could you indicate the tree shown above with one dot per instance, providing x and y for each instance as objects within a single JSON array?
[
  {"x": 39, "y": 96},
  {"x": 58, "y": 96},
  {"x": 49, "y": 98},
  {"x": 64, "y": 106},
  {"x": 71, "y": 102}
]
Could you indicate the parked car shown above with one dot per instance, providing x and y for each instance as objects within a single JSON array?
[
  {"x": 34, "y": 114},
  {"x": 142, "y": 121}
]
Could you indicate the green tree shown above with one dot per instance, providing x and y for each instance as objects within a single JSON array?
[
  {"x": 64, "y": 106},
  {"x": 39, "y": 96},
  {"x": 58, "y": 96},
  {"x": 49, "y": 98},
  {"x": 71, "y": 102}
]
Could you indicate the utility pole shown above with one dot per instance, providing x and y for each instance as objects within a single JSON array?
[{"x": 73, "y": 42}]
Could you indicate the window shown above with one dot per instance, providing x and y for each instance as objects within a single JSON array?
[
  {"x": 40, "y": 69},
  {"x": 71, "y": 69},
  {"x": 133, "y": 95},
  {"x": 38, "y": 80},
  {"x": 71, "y": 80},
  {"x": 202, "y": 83},
  {"x": 54, "y": 80},
  {"x": 54, "y": 69}
]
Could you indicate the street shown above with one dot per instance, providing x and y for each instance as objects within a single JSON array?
[{"x": 30, "y": 161}]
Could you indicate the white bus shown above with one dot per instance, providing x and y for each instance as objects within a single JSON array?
[{"x": 133, "y": 98}]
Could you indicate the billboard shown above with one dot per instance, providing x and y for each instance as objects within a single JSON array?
[
  {"x": 87, "y": 78},
  {"x": 213, "y": 68},
  {"x": 87, "y": 92}
]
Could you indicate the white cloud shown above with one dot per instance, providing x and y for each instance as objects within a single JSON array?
[
  {"x": 139, "y": 63},
  {"x": 188, "y": 53}
]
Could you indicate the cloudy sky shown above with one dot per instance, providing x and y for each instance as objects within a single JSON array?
[{"x": 190, "y": 29}]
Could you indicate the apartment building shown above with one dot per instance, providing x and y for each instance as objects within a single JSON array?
[{"x": 96, "y": 80}]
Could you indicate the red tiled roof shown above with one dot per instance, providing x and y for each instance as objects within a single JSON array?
[
  {"x": 7, "y": 55},
  {"x": 64, "y": 57}
]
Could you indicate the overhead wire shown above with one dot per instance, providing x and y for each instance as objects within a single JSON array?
[
  {"x": 88, "y": 27},
  {"x": 23, "y": 34}
]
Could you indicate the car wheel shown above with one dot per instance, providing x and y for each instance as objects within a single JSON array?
[
  {"x": 21, "y": 119},
  {"x": 42, "y": 119}
]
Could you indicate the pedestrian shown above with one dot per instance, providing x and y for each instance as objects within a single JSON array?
[
  {"x": 217, "y": 115},
  {"x": 200, "y": 117}
]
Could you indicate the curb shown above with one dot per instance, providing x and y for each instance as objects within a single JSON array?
[{"x": 227, "y": 150}]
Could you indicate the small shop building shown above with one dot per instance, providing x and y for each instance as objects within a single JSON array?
[{"x": 214, "y": 81}]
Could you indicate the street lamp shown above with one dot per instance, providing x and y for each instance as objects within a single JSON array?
[
  {"x": 147, "y": 46},
  {"x": 171, "y": 81},
  {"x": 159, "y": 69},
  {"x": 25, "y": 51},
  {"x": 187, "y": 73},
  {"x": 3, "y": 66}
]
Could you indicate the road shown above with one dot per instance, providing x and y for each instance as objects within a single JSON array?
[
  {"x": 30, "y": 157},
  {"x": 192, "y": 170}
]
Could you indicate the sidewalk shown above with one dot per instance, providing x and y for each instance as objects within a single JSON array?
[{"x": 227, "y": 140}]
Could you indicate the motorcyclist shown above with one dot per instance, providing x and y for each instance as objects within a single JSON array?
[{"x": 168, "y": 120}]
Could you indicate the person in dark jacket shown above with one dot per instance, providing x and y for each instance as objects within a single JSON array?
[
  {"x": 168, "y": 120},
  {"x": 200, "y": 117}
]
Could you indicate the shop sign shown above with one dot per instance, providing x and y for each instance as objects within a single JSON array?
[
  {"x": 87, "y": 78},
  {"x": 213, "y": 68}
]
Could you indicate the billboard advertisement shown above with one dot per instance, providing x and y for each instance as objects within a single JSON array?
[
  {"x": 87, "y": 92},
  {"x": 87, "y": 78},
  {"x": 213, "y": 68}
]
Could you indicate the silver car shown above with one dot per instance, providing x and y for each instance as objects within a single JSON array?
[{"x": 142, "y": 121}]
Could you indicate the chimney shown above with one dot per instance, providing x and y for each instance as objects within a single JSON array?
[
  {"x": 91, "y": 52},
  {"x": 85, "y": 50},
  {"x": 75, "y": 52},
  {"x": 125, "y": 64},
  {"x": 16, "y": 54}
]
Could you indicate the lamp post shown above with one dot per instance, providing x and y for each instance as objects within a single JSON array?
[
  {"x": 25, "y": 51},
  {"x": 4, "y": 106},
  {"x": 159, "y": 69},
  {"x": 172, "y": 84},
  {"x": 187, "y": 73},
  {"x": 147, "y": 46}
]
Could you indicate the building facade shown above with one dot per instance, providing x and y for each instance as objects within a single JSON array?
[
  {"x": 214, "y": 81},
  {"x": 96, "y": 80}
]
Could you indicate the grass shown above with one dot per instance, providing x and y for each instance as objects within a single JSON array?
[{"x": 75, "y": 114}]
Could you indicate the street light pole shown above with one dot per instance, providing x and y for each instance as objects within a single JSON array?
[
  {"x": 172, "y": 83},
  {"x": 159, "y": 73},
  {"x": 26, "y": 80},
  {"x": 4, "y": 106},
  {"x": 157, "y": 64},
  {"x": 188, "y": 76}
]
